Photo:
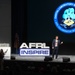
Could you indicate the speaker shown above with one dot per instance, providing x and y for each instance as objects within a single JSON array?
[
  {"x": 66, "y": 59},
  {"x": 47, "y": 58}
]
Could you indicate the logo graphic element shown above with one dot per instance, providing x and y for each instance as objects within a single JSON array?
[{"x": 64, "y": 17}]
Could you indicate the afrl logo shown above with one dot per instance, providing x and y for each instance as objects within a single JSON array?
[
  {"x": 34, "y": 49},
  {"x": 34, "y": 45}
]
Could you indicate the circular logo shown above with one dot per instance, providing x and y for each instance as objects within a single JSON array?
[{"x": 64, "y": 17}]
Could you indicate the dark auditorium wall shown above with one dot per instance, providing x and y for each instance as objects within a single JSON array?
[{"x": 5, "y": 21}]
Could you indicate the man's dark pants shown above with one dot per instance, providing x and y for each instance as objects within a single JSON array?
[{"x": 55, "y": 51}]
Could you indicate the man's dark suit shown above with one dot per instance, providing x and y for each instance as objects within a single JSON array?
[{"x": 55, "y": 49}]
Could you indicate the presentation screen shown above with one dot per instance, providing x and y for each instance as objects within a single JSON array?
[
  {"x": 47, "y": 19},
  {"x": 50, "y": 18}
]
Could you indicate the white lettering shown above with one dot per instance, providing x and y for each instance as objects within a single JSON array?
[
  {"x": 39, "y": 45},
  {"x": 34, "y": 45},
  {"x": 24, "y": 45},
  {"x": 44, "y": 44}
]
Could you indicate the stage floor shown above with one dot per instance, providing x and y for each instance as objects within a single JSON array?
[{"x": 59, "y": 59}]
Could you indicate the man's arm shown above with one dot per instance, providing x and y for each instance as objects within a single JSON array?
[{"x": 60, "y": 42}]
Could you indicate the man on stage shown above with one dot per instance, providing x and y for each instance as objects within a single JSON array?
[{"x": 55, "y": 45}]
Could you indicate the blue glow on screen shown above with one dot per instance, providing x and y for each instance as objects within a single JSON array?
[{"x": 57, "y": 12}]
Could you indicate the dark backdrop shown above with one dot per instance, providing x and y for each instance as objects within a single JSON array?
[
  {"x": 33, "y": 21},
  {"x": 19, "y": 21}
]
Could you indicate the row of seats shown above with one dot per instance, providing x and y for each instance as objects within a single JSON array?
[{"x": 14, "y": 66}]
